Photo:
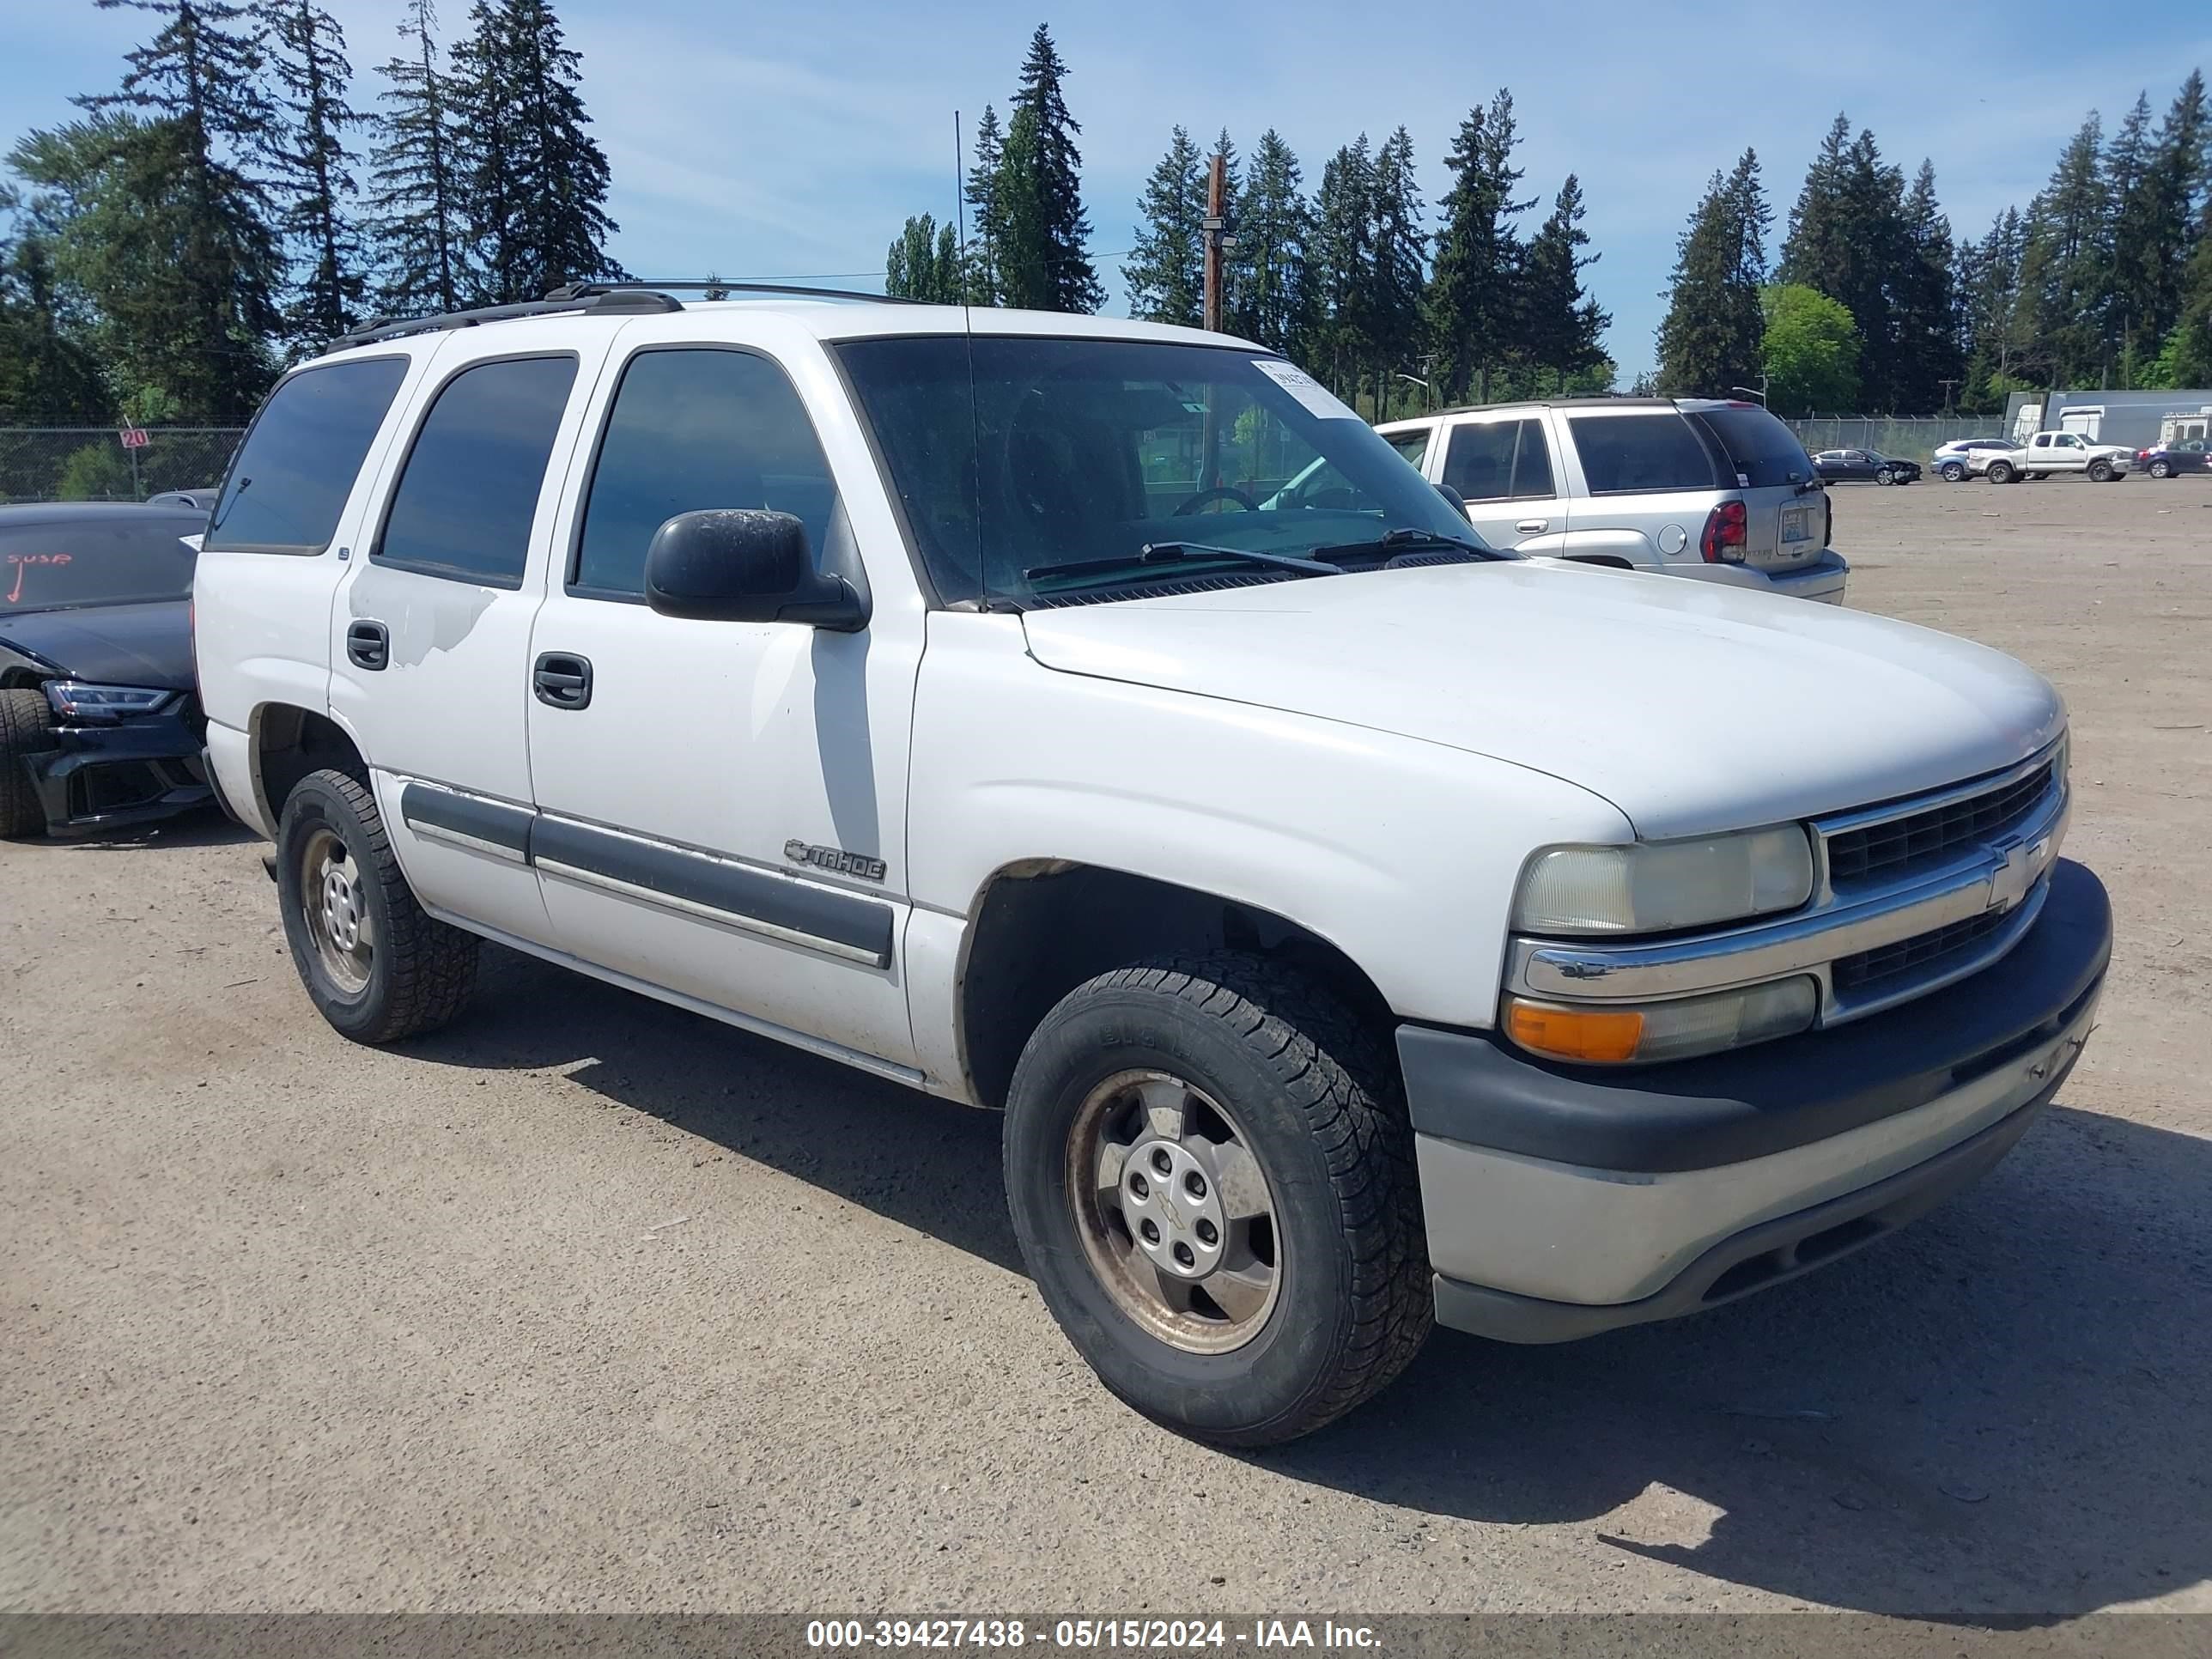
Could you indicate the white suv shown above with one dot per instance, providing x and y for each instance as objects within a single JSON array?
[
  {"x": 1696, "y": 487},
  {"x": 1350, "y": 924}
]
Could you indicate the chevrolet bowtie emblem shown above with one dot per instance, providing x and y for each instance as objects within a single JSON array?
[{"x": 2023, "y": 863}]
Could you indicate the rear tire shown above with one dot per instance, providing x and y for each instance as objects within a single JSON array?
[
  {"x": 374, "y": 962},
  {"x": 1951, "y": 472},
  {"x": 26, "y": 728},
  {"x": 1228, "y": 1065}
]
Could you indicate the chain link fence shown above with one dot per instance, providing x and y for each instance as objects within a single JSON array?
[
  {"x": 1908, "y": 437},
  {"x": 90, "y": 464}
]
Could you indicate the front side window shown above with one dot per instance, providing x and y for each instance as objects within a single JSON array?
[
  {"x": 290, "y": 481},
  {"x": 468, "y": 496},
  {"x": 1414, "y": 445},
  {"x": 1498, "y": 461},
  {"x": 690, "y": 429},
  {"x": 1625, "y": 453},
  {"x": 1031, "y": 469}
]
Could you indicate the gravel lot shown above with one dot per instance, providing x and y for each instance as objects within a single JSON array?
[{"x": 590, "y": 1304}]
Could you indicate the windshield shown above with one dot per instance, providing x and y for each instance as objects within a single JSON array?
[
  {"x": 96, "y": 560},
  {"x": 1083, "y": 453}
]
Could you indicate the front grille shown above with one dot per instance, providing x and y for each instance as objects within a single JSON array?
[
  {"x": 1924, "y": 950},
  {"x": 1922, "y": 838}
]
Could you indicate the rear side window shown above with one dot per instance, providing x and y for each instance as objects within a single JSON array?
[
  {"x": 1498, "y": 461},
  {"x": 290, "y": 481},
  {"x": 690, "y": 429},
  {"x": 1640, "y": 453},
  {"x": 1764, "y": 451},
  {"x": 468, "y": 493}
]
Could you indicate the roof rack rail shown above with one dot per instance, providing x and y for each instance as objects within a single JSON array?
[
  {"x": 593, "y": 299},
  {"x": 722, "y": 286}
]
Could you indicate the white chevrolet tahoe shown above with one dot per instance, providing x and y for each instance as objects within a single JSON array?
[{"x": 1357, "y": 927}]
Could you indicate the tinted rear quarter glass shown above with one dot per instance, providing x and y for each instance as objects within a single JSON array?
[
  {"x": 1621, "y": 453},
  {"x": 291, "y": 480},
  {"x": 109, "y": 560},
  {"x": 467, "y": 497},
  {"x": 1764, "y": 451}
]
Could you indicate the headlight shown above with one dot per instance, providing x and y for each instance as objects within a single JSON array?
[
  {"x": 1656, "y": 887},
  {"x": 73, "y": 700},
  {"x": 1651, "y": 1031}
]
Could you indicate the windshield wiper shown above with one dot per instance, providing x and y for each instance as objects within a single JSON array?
[
  {"x": 1157, "y": 553},
  {"x": 1406, "y": 539}
]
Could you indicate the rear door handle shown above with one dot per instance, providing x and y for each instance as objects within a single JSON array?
[
  {"x": 562, "y": 680},
  {"x": 369, "y": 644},
  {"x": 1533, "y": 526}
]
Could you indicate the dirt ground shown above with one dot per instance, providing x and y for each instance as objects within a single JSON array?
[{"x": 587, "y": 1303}]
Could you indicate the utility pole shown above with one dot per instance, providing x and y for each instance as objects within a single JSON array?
[{"x": 1217, "y": 187}]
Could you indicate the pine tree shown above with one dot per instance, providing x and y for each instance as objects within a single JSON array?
[
  {"x": 200, "y": 75},
  {"x": 924, "y": 263},
  {"x": 537, "y": 180},
  {"x": 1043, "y": 262},
  {"x": 2000, "y": 316},
  {"x": 2126, "y": 164},
  {"x": 1400, "y": 266},
  {"x": 1269, "y": 294},
  {"x": 1473, "y": 300},
  {"x": 2067, "y": 256},
  {"x": 1847, "y": 239},
  {"x": 49, "y": 375},
  {"x": 1560, "y": 326},
  {"x": 1713, "y": 338},
  {"x": 1166, "y": 269},
  {"x": 417, "y": 201},
  {"x": 1343, "y": 260},
  {"x": 985, "y": 227},
  {"x": 1924, "y": 312},
  {"x": 314, "y": 171},
  {"x": 2156, "y": 233}
]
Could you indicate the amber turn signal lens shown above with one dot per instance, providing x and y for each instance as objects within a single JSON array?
[{"x": 1590, "y": 1034}]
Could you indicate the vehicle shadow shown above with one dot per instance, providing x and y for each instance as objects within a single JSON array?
[
  {"x": 1997, "y": 1415},
  {"x": 203, "y": 826}
]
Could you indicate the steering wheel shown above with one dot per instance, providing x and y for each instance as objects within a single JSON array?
[{"x": 1219, "y": 493}]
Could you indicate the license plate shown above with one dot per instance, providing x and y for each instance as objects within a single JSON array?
[{"x": 1797, "y": 524}]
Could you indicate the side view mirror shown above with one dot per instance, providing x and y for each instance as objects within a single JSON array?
[
  {"x": 745, "y": 564},
  {"x": 1458, "y": 500}
]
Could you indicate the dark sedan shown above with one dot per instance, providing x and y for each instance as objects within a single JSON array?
[
  {"x": 1839, "y": 464},
  {"x": 100, "y": 727},
  {"x": 2164, "y": 460}
]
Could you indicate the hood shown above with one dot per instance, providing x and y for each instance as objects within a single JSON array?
[
  {"x": 110, "y": 644},
  {"x": 1690, "y": 706}
]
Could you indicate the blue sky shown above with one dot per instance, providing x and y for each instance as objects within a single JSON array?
[{"x": 779, "y": 139}]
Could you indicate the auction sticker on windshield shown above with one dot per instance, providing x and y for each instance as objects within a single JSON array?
[{"x": 1310, "y": 392}]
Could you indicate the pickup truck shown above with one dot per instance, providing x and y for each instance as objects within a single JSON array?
[
  {"x": 2048, "y": 452},
  {"x": 1358, "y": 928}
]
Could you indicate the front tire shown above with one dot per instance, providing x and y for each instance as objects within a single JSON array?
[
  {"x": 26, "y": 728},
  {"x": 2100, "y": 472},
  {"x": 374, "y": 962},
  {"x": 1884, "y": 476},
  {"x": 2160, "y": 470},
  {"x": 2001, "y": 472},
  {"x": 1212, "y": 1175}
]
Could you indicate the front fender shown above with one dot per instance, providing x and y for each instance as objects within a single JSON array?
[{"x": 1401, "y": 852}]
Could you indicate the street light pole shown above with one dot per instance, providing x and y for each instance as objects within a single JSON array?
[{"x": 1759, "y": 393}]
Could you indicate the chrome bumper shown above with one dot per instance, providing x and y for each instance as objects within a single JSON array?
[{"x": 2007, "y": 877}]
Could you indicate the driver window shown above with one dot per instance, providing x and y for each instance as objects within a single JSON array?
[
  {"x": 690, "y": 428},
  {"x": 1479, "y": 463}
]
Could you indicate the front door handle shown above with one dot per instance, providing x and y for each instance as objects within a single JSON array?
[
  {"x": 1533, "y": 526},
  {"x": 562, "y": 680},
  {"x": 369, "y": 644}
]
